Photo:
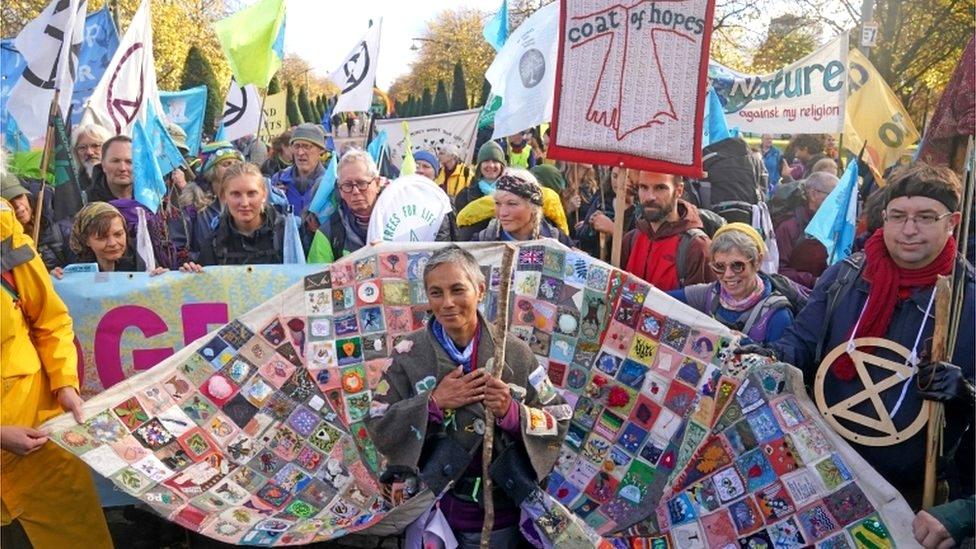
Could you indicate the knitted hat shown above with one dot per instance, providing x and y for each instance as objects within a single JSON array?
[
  {"x": 213, "y": 153},
  {"x": 178, "y": 136},
  {"x": 451, "y": 149},
  {"x": 549, "y": 176},
  {"x": 745, "y": 229},
  {"x": 11, "y": 188},
  {"x": 520, "y": 183},
  {"x": 428, "y": 158},
  {"x": 491, "y": 151},
  {"x": 311, "y": 133}
]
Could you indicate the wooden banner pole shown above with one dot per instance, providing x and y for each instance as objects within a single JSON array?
[
  {"x": 619, "y": 212},
  {"x": 501, "y": 324},
  {"x": 45, "y": 161},
  {"x": 933, "y": 438}
]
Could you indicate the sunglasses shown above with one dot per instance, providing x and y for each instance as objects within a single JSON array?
[{"x": 737, "y": 267}]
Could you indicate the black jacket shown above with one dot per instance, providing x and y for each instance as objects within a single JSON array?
[{"x": 263, "y": 247}]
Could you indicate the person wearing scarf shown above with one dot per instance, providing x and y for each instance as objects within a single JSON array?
[
  {"x": 743, "y": 298},
  {"x": 519, "y": 211},
  {"x": 358, "y": 186},
  {"x": 888, "y": 295},
  {"x": 491, "y": 163},
  {"x": 427, "y": 413}
]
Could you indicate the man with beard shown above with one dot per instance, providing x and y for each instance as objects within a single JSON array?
[
  {"x": 668, "y": 247},
  {"x": 300, "y": 180},
  {"x": 86, "y": 143}
]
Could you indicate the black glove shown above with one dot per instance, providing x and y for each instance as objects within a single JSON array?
[
  {"x": 944, "y": 382},
  {"x": 754, "y": 349}
]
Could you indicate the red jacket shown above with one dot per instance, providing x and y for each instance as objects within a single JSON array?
[{"x": 653, "y": 255}]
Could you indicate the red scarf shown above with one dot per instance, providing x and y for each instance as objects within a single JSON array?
[{"x": 889, "y": 284}]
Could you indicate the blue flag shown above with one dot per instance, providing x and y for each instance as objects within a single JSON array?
[
  {"x": 835, "y": 223},
  {"x": 375, "y": 147},
  {"x": 153, "y": 156},
  {"x": 323, "y": 204},
  {"x": 496, "y": 29},
  {"x": 100, "y": 42},
  {"x": 327, "y": 124},
  {"x": 714, "y": 127},
  {"x": 186, "y": 109},
  {"x": 11, "y": 67}
]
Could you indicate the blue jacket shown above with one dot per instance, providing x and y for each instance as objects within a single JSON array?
[
  {"x": 298, "y": 199},
  {"x": 901, "y": 464},
  {"x": 773, "y": 159}
]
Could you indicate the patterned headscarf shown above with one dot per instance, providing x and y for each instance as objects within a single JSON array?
[
  {"x": 520, "y": 183},
  {"x": 84, "y": 219}
]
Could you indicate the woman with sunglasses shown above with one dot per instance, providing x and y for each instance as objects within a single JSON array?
[{"x": 742, "y": 298}]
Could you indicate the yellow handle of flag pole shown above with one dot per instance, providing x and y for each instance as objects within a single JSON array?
[{"x": 409, "y": 165}]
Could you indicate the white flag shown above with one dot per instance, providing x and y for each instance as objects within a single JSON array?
[
  {"x": 430, "y": 133},
  {"x": 50, "y": 46},
  {"x": 356, "y": 75},
  {"x": 242, "y": 111},
  {"x": 129, "y": 83},
  {"x": 523, "y": 73}
]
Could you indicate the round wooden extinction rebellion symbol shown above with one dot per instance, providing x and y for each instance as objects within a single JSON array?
[{"x": 888, "y": 434}]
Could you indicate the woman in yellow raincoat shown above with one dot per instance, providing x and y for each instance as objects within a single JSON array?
[{"x": 44, "y": 488}]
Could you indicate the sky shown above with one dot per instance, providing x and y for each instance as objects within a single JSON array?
[{"x": 323, "y": 33}]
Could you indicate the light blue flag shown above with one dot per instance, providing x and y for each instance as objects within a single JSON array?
[
  {"x": 714, "y": 127},
  {"x": 835, "y": 223},
  {"x": 293, "y": 251},
  {"x": 327, "y": 124},
  {"x": 375, "y": 147},
  {"x": 323, "y": 204},
  {"x": 153, "y": 155},
  {"x": 496, "y": 29},
  {"x": 14, "y": 140},
  {"x": 186, "y": 109},
  {"x": 99, "y": 45},
  {"x": 11, "y": 67}
]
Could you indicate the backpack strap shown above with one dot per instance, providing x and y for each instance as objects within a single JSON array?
[
  {"x": 684, "y": 246},
  {"x": 849, "y": 271},
  {"x": 762, "y": 311}
]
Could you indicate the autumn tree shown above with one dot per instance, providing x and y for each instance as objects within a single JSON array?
[
  {"x": 452, "y": 36},
  {"x": 198, "y": 71},
  {"x": 789, "y": 39},
  {"x": 291, "y": 106},
  {"x": 485, "y": 92},
  {"x": 459, "y": 90},
  {"x": 274, "y": 86}
]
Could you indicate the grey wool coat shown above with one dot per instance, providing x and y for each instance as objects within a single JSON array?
[{"x": 398, "y": 422}]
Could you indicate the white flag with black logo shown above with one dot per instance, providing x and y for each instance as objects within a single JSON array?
[
  {"x": 523, "y": 73},
  {"x": 242, "y": 111},
  {"x": 50, "y": 46},
  {"x": 356, "y": 75},
  {"x": 129, "y": 82}
]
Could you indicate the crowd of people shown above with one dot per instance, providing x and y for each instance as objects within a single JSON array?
[{"x": 692, "y": 238}]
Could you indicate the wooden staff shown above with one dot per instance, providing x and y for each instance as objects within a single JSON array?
[
  {"x": 501, "y": 324},
  {"x": 619, "y": 212},
  {"x": 933, "y": 438},
  {"x": 45, "y": 160},
  {"x": 576, "y": 182},
  {"x": 603, "y": 209}
]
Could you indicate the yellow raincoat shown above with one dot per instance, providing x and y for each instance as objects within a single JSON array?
[
  {"x": 484, "y": 208},
  {"x": 49, "y": 491}
]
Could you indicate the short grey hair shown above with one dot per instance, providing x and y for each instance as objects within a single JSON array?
[
  {"x": 99, "y": 133},
  {"x": 738, "y": 241},
  {"x": 821, "y": 181},
  {"x": 458, "y": 256},
  {"x": 359, "y": 155},
  {"x": 828, "y": 165}
]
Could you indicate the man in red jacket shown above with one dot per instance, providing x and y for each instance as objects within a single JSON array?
[{"x": 668, "y": 247}]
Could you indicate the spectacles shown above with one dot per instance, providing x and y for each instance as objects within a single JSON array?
[
  {"x": 300, "y": 146},
  {"x": 737, "y": 267},
  {"x": 359, "y": 185},
  {"x": 921, "y": 220},
  {"x": 90, "y": 146}
]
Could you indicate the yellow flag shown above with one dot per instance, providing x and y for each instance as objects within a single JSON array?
[
  {"x": 275, "y": 120},
  {"x": 409, "y": 165},
  {"x": 875, "y": 116}
]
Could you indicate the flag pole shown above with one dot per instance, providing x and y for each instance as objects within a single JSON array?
[
  {"x": 45, "y": 159},
  {"x": 619, "y": 211}
]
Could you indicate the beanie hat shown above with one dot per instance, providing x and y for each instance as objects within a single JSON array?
[
  {"x": 11, "y": 188},
  {"x": 520, "y": 183},
  {"x": 744, "y": 229},
  {"x": 491, "y": 151},
  {"x": 311, "y": 133},
  {"x": 451, "y": 149},
  {"x": 549, "y": 176},
  {"x": 428, "y": 158},
  {"x": 213, "y": 153}
]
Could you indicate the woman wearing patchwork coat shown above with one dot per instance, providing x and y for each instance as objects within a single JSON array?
[
  {"x": 45, "y": 489},
  {"x": 427, "y": 415}
]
